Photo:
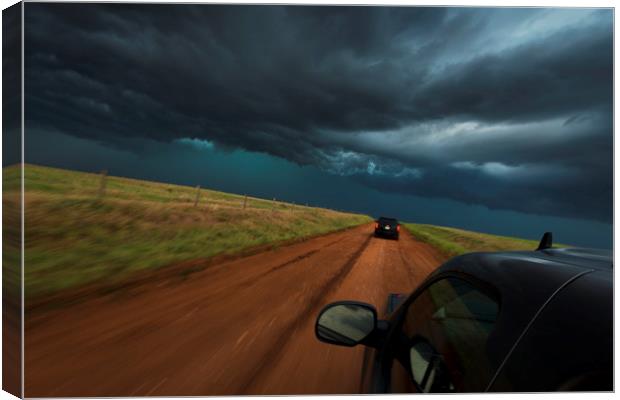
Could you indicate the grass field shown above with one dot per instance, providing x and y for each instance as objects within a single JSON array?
[
  {"x": 73, "y": 237},
  {"x": 453, "y": 241},
  {"x": 11, "y": 235}
]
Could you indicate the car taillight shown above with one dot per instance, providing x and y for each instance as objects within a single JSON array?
[
  {"x": 376, "y": 225},
  {"x": 397, "y": 228}
]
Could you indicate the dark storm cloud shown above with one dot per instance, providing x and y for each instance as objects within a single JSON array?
[
  {"x": 508, "y": 108},
  {"x": 11, "y": 66},
  {"x": 11, "y": 84},
  {"x": 552, "y": 76}
]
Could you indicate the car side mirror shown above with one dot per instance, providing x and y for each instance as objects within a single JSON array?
[{"x": 346, "y": 323}]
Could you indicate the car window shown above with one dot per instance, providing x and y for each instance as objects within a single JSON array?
[{"x": 444, "y": 337}]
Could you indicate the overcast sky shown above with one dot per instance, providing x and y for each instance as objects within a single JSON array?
[{"x": 505, "y": 114}]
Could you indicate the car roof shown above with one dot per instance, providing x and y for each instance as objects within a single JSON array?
[
  {"x": 388, "y": 218},
  {"x": 491, "y": 266},
  {"x": 525, "y": 280},
  {"x": 598, "y": 259},
  {"x": 567, "y": 293}
]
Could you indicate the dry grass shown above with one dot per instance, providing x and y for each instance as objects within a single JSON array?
[
  {"x": 73, "y": 238},
  {"x": 453, "y": 241},
  {"x": 11, "y": 234}
]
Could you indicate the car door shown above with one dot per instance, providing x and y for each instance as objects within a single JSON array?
[{"x": 439, "y": 342}]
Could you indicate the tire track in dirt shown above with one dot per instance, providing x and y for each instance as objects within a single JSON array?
[
  {"x": 311, "y": 367},
  {"x": 311, "y": 309},
  {"x": 301, "y": 257}
]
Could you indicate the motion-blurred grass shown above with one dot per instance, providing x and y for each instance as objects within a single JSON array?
[
  {"x": 11, "y": 235},
  {"x": 453, "y": 241},
  {"x": 72, "y": 237}
]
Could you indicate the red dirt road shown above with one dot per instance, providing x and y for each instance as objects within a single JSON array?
[{"x": 240, "y": 327}]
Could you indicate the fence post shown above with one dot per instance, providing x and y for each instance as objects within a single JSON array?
[
  {"x": 197, "y": 195},
  {"x": 245, "y": 200},
  {"x": 102, "y": 184}
]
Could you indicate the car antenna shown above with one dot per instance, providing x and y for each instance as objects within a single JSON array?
[{"x": 546, "y": 242}]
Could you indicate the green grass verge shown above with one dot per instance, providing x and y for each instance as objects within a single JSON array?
[
  {"x": 453, "y": 241},
  {"x": 72, "y": 237}
]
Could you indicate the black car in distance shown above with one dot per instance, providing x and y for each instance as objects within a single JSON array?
[
  {"x": 534, "y": 321},
  {"x": 387, "y": 227}
]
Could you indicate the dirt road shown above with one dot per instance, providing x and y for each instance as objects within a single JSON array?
[{"x": 241, "y": 327}]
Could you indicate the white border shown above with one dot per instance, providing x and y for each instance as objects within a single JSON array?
[{"x": 475, "y": 3}]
